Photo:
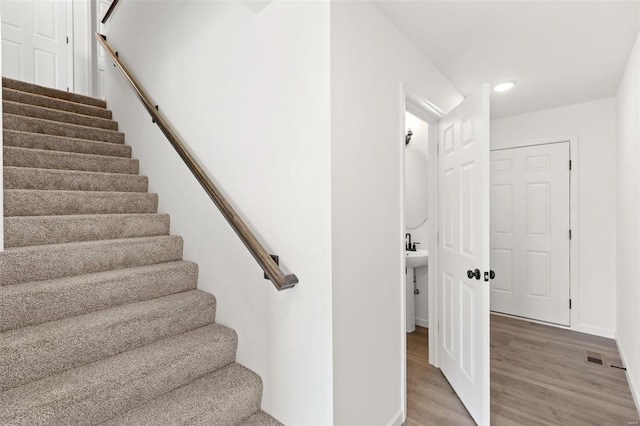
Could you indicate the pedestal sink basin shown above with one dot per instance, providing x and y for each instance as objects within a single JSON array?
[{"x": 417, "y": 258}]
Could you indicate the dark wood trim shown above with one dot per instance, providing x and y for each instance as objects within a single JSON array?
[
  {"x": 109, "y": 11},
  {"x": 264, "y": 259}
]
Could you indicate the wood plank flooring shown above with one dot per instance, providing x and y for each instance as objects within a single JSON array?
[{"x": 538, "y": 377}]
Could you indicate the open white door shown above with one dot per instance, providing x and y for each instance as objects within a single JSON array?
[{"x": 463, "y": 303}]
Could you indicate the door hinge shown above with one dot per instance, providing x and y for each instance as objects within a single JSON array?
[
  {"x": 569, "y": 303},
  {"x": 569, "y": 233},
  {"x": 570, "y": 164},
  {"x": 67, "y": 39}
]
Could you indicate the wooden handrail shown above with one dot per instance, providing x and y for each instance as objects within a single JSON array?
[
  {"x": 271, "y": 269},
  {"x": 109, "y": 11}
]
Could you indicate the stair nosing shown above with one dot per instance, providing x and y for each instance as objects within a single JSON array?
[
  {"x": 63, "y": 123},
  {"x": 91, "y": 141},
  {"x": 70, "y": 113},
  {"x": 37, "y": 95},
  {"x": 54, "y": 90},
  {"x": 17, "y": 287},
  {"x": 75, "y": 171}
]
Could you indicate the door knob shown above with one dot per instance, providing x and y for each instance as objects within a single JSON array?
[
  {"x": 475, "y": 273},
  {"x": 489, "y": 275}
]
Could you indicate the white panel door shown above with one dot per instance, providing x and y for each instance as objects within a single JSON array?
[
  {"x": 34, "y": 41},
  {"x": 530, "y": 244},
  {"x": 463, "y": 305}
]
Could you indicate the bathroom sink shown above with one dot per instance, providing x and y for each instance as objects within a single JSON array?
[{"x": 417, "y": 258}]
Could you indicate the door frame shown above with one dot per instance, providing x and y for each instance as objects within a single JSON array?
[
  {"x": 574, "y": 225},
  {"x": 427, "y": 111},
  {"x": 70, "y": 47}
]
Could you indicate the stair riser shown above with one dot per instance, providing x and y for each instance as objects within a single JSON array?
[
  {"x": 19, "y": 202},
  {"x": 39, "y": 263},
  {"x": 38, "y": 230},
  {"x": 224, "y": 397},
  {"x": 99, "y": 391},
  {"x": 37, "y": 125},
  {"x": 63, "y": 144},
  {"x": 21, "y": 305},
  {"x": 59, "y": 104},
  {"x": 260, "y": 418},
  {"x": 26, "y": 178},
  {"x": 77, "y": 341},
  {"x": 40, "y": 159},
  {"x": 53, "y": 93},
  {"x": 56, "y": 115}
]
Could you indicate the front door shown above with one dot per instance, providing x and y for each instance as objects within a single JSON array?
[
  {"x": 463, "y": 289},
  {"x": 34, "y": 41},
  {"x": 530, "y": 232}
]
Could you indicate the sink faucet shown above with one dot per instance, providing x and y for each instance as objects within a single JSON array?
[{"x": 409, "y": 246}]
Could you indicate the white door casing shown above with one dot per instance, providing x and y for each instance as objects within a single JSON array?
[
  {"x": 530, "y": 222},
  {"x": 34, "y": 42},
  {"x": 103, "y": 6},
  {"x": 463, "y": 245}
]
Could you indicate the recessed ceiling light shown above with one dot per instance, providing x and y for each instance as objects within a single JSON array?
[{"x": 503, "y": 87}]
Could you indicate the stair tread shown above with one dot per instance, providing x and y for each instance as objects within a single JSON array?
[
  {"x": 224, "y": 397},
  {"x": 36, "y": 202},
  {"x": 46, "y": 159},
  {"x": 16, "y": 177},
  {"x": 98, "y": 391},
  {"x": 260, "y": 418},
  {"x": 38, "y": 263},
  {"x": 20, "y": 231},
  {"x": 21, "y": 304},
  {"x": 38, "y": 351},
  {"x": 55, "y": 143},
  {"x": 37, "y": 111},
  {"x": 49, "y": 102},
  {"x": 51, "y": 92},
  {"x": 56, "y": 128}
]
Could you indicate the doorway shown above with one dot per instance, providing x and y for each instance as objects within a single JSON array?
[
  {"x": 458, "y": 291},
  {"x": 416, "y": 207}
]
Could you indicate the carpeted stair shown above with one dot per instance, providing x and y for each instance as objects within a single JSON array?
[{"x": 101, "y": 321}]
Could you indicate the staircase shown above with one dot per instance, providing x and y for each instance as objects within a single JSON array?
[{"x": 101, "y": 321}]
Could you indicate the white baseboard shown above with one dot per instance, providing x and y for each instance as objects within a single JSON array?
[
  {"x": 422, "y": 322},
  {"x": 396, "y": 420},
  {"x": 581, "y": 328},
  {"x": 596, "y": 331},
  {"x": 635, "y": 390}
]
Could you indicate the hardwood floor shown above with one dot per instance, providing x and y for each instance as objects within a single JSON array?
[{"x": 539, "y": 376}]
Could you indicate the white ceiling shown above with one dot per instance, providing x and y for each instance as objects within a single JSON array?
[{"x": 560, "y": 52}]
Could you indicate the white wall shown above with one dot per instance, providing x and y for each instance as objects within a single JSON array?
[
  {"x": 1, "y": 160},
  {"x": 369, "y": 61},
  {"x": 593, "y": 124},
  {"x": 420, "y": 142},
  {"x": 628, "y": 214},
  {"x": 249, "y": 93}
]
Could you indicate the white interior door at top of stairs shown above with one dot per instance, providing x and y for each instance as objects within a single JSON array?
[{"x": 34, "y": 42}]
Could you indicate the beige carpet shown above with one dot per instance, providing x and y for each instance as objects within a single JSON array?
[{"x": 101, "y": 321}]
